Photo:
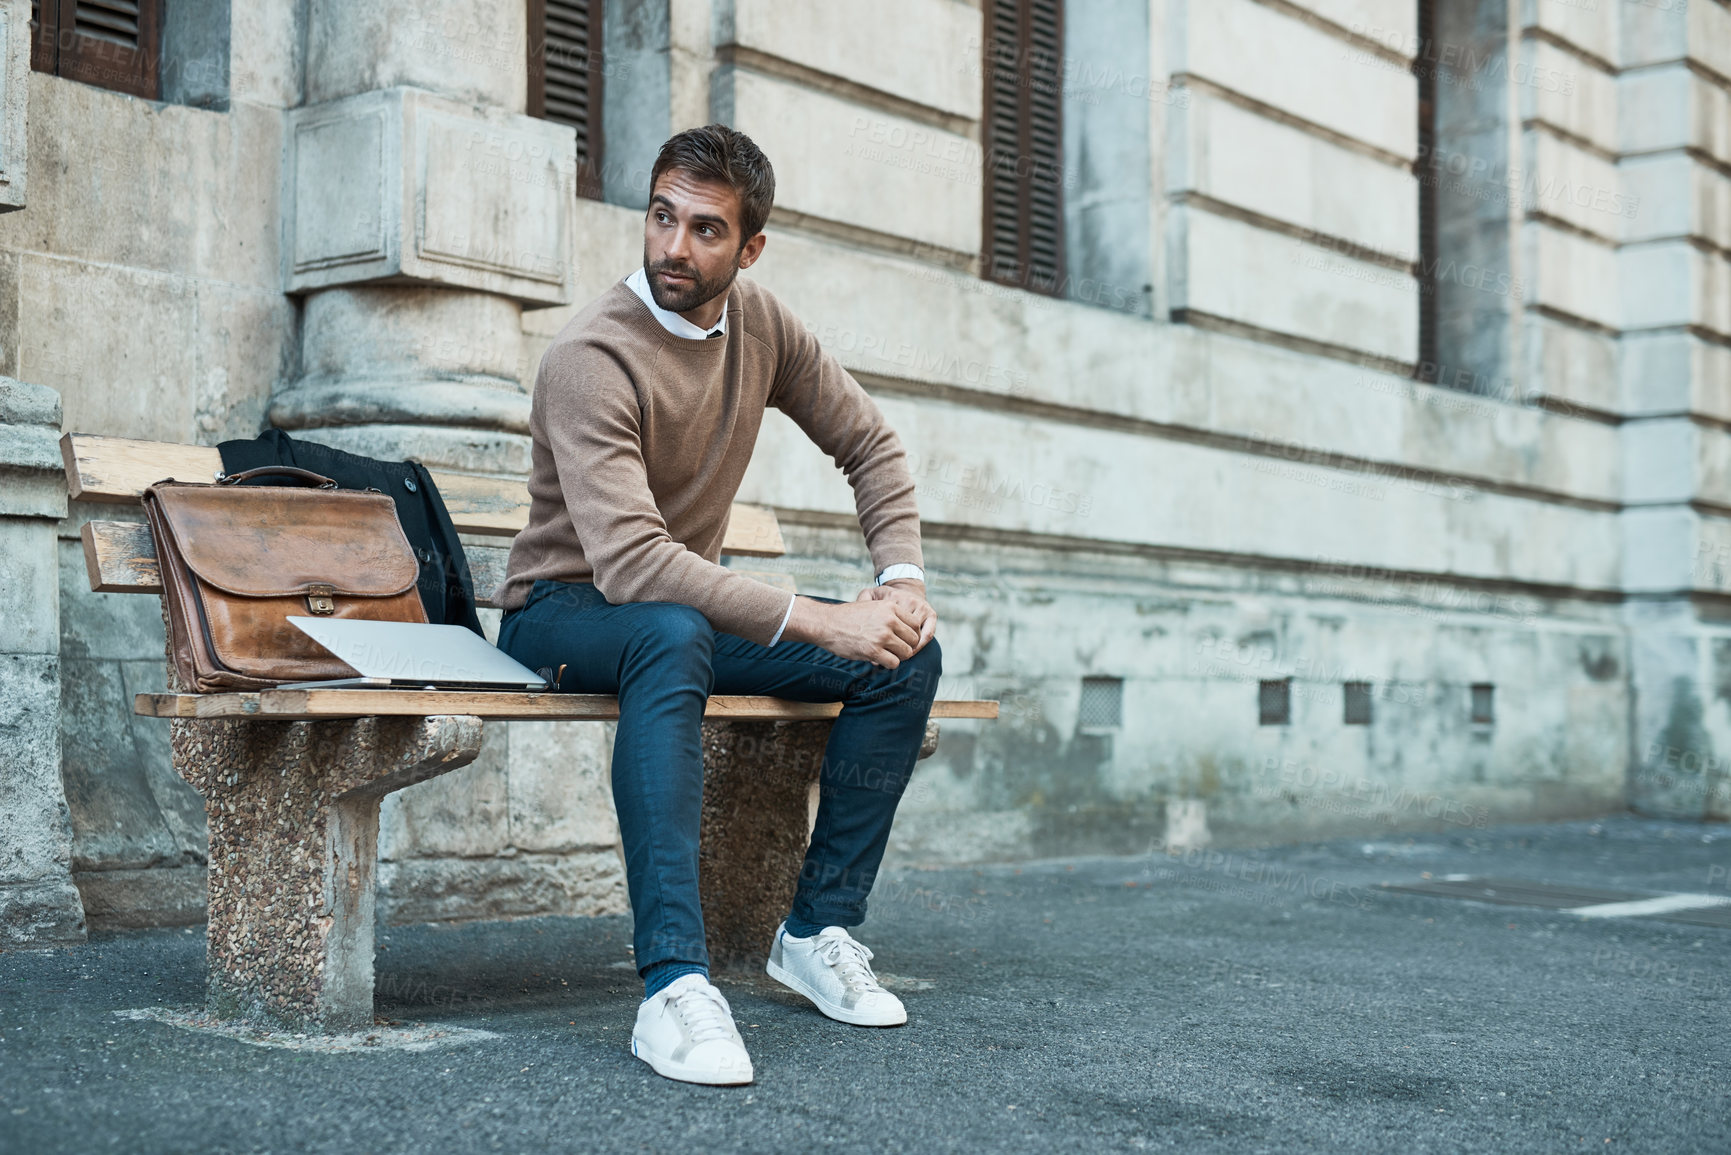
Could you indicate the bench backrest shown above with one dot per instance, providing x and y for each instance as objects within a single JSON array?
[{"x": 121, "y": 557}]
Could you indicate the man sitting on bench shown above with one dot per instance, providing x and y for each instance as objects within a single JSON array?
[{"x": 646, "y": 408}]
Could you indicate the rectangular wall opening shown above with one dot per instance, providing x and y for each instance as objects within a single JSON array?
[
  {"x": 1274, "y": 703},
  {"x": 1102, "y": 706},
  {"x": 1484, "y": 703},
  {"x": 1357, "y": 705}
]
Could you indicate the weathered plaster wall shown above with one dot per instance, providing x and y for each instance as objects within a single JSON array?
[
  {"x": 142, "y": 284},
  {"x": 1673, "y": 281},
  {"x": 1191, "y": 640},
  {"x": 39, "y": 904}
]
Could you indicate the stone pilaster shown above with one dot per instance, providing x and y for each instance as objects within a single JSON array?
[
  {"x": 14, "y": 90},
  {"x": 39, "y": 906},
  {"x": 1676, "y": 316},
  {"x": 424, "y": 212}
]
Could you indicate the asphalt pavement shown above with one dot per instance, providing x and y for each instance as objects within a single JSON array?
[{"x": 1237, "y": 1001}]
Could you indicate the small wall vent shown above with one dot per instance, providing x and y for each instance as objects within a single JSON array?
[
  {"x": 1102, "y": 706},
  {"x": 1484, "y": 703},
  {"x": 1274, "y": 703},
  {"x": 1357, "y": 707}
]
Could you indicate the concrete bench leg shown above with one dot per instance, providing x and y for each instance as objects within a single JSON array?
[
  {"x": 757, "y": 780},
  {"x": 294, "y": 827}
]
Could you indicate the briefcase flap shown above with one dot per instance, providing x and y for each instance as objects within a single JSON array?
[{"x": 280, "y": 541}]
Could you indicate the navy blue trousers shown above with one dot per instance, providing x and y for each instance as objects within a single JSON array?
[{"x": 663, "y": 660}]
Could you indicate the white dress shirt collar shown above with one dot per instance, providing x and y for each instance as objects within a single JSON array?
[{"x": 638, "y": 282}]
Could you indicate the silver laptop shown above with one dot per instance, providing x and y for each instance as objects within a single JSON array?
[{"x": 414, "y": 654}]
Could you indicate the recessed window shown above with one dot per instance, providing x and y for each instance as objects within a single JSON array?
[
  {"x": 1484, "y": 703},
  {"x": 1274, "y": 703},
  {"x": 1357, "y": 708},
  {"x": 1102, "y": 705}
]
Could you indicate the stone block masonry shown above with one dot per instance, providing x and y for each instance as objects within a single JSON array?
[{"x": 38, "y": 904}]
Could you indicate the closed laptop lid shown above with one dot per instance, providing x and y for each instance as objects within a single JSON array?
[{"x": 418, "y": 653}]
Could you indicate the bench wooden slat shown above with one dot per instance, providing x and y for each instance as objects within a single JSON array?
[
  {"x": 486, "y": 569},
  {"x": 483, "y": 505},
  {"x": 753, "y": 531},
  {"x": 119, "y": 469},
  {"x": 120, "y": 558},
  {"x": 302, "y": 705}
]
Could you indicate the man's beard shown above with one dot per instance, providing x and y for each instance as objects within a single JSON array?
[{"x": 701, "y": 292}]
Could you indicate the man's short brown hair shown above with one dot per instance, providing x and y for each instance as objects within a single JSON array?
[{"x": 717, "y": 153}]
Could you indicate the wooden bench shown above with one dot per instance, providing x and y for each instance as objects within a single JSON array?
[{"x": 292, "y": 779}]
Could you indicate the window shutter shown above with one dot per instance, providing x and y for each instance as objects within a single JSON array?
[
  {"x": 1424, "y": 69},
  {"x": 113, "y": 44},
  {"x": 1000, "y": 138},
  {"x": 565, "y": 77},
  {"x": 1022, "y": 138},
  {"x": 43, "y": 27},
  {"x": 109, "y": 43}
]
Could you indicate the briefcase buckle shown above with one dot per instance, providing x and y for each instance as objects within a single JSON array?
[{"x": 321, "y": 600}]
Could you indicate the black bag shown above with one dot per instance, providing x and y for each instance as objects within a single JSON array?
[{"x": 446, "y": 589}]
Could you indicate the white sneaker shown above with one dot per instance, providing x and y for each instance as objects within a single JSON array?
[
  {"x": 686, "y": 1032},
  {"x": 833, "y": 970}
]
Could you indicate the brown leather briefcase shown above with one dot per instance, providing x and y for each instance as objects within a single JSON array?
[{"x": 238, "y": 560}]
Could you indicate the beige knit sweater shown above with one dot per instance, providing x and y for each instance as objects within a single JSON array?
[{"x": 641, "y": 439}]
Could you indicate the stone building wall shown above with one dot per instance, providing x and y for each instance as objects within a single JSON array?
[
  {"x": 1205, "y": 467},
  {"x": 141, "y": 282},
  {"x": 1673, "y": 274}
]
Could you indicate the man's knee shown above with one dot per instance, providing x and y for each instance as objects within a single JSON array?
[
  {"x": 672, "y": 628},
  {"x": 924, "y": 668}
]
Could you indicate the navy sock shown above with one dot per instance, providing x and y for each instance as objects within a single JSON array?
[
  {"x": 658, "y": 975},
  {"x": 800, "y": 928}
]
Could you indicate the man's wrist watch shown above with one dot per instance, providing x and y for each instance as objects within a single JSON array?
[{"x": 901, "y": 569}]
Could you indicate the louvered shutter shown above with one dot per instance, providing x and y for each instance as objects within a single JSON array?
[
  {"x": 42, "y": 30},
  {"x": 1022, "y": 138},
  {"x": 565, "y": 77},
  {"x": 1424, "y": 68},
  {"x": 108, "y": 43}
]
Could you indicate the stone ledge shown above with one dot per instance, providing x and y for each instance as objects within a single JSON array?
[
  {"x": 30, "y": 451},
  {"x": 130, "y": 899},
  {"x": 41, "y": 913},
  {"x": 22, "y": 403}
]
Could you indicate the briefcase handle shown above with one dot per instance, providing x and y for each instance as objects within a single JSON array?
[{"x": 304, "y": 476}]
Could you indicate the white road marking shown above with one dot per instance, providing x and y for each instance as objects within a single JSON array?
[{"x": 1664, "y": 904}]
